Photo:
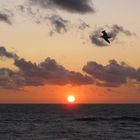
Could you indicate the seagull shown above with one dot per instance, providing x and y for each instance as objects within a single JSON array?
[{"x": 105, "y": 36}]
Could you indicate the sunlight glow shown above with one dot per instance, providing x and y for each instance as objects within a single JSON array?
[{"x": 71, "y": 99}]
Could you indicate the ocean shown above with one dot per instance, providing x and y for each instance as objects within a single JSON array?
[{"x": 70, "y": 122}]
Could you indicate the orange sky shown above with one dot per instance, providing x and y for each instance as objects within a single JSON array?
[{"x": 72, "y": 50}]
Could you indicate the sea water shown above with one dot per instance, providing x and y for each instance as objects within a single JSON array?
[{"x": 70, "y": 122}]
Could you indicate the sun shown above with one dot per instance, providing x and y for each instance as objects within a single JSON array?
[{"x": 71, "y": 99}]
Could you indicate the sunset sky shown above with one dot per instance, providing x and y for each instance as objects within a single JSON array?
[{"x": 50, "y": 49}]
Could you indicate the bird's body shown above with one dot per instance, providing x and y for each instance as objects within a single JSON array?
[{"x": 105, "y": 36}]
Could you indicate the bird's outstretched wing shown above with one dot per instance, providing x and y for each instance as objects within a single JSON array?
[{"x": 107, "y": 40}]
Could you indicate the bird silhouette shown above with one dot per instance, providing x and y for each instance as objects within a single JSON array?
[{"x": 105, "y": 36}]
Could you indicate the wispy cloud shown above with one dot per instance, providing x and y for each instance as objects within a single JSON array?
[
  {"x": 114, "y": 31},
  {"x": 45, "y": 12},
  {"x": 5, "y": 18},
  {"x": 7, "y": 54},
  {"x": 59, "y": 24}
]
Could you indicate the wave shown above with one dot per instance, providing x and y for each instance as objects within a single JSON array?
[{"x": 122, "y": 118}]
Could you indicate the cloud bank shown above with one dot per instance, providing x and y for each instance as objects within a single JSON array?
[
  {"x": 113, "y": 74},
  {"x": 32, "y": 74},
  {"x": 49, "y": 72}
]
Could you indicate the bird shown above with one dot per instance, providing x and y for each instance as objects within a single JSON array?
[{"x": 105, "y": 36}]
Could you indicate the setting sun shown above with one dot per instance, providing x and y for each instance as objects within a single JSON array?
[{"x": 71, "y": 99}]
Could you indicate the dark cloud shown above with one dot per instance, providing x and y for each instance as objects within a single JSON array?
[
  {"x": 96, "y": 38},
  {"x": 59, "y": 24},
  {"x": 6, "y": 54},
  {"x": 10, "y": 79},
  {"x": 113, "y": 74},
  {"x": 77, "y": 6},
  {"x": 5, "y": 18},
  {"x": 32, "y": 74},
  {"x": 115, "y": 30},
  {"x": 49, "y": 72},
  {"x": 45, "y": 11},
  {"x": 138, "y": 74}
]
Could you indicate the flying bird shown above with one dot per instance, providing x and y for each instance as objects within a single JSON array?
[{"x": 105, "y": 36}]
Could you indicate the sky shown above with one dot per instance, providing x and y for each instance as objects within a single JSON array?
[{"x": 50, "y": 49}]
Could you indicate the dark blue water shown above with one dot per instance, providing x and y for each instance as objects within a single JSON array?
[{"x": 69, "y": 122}]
